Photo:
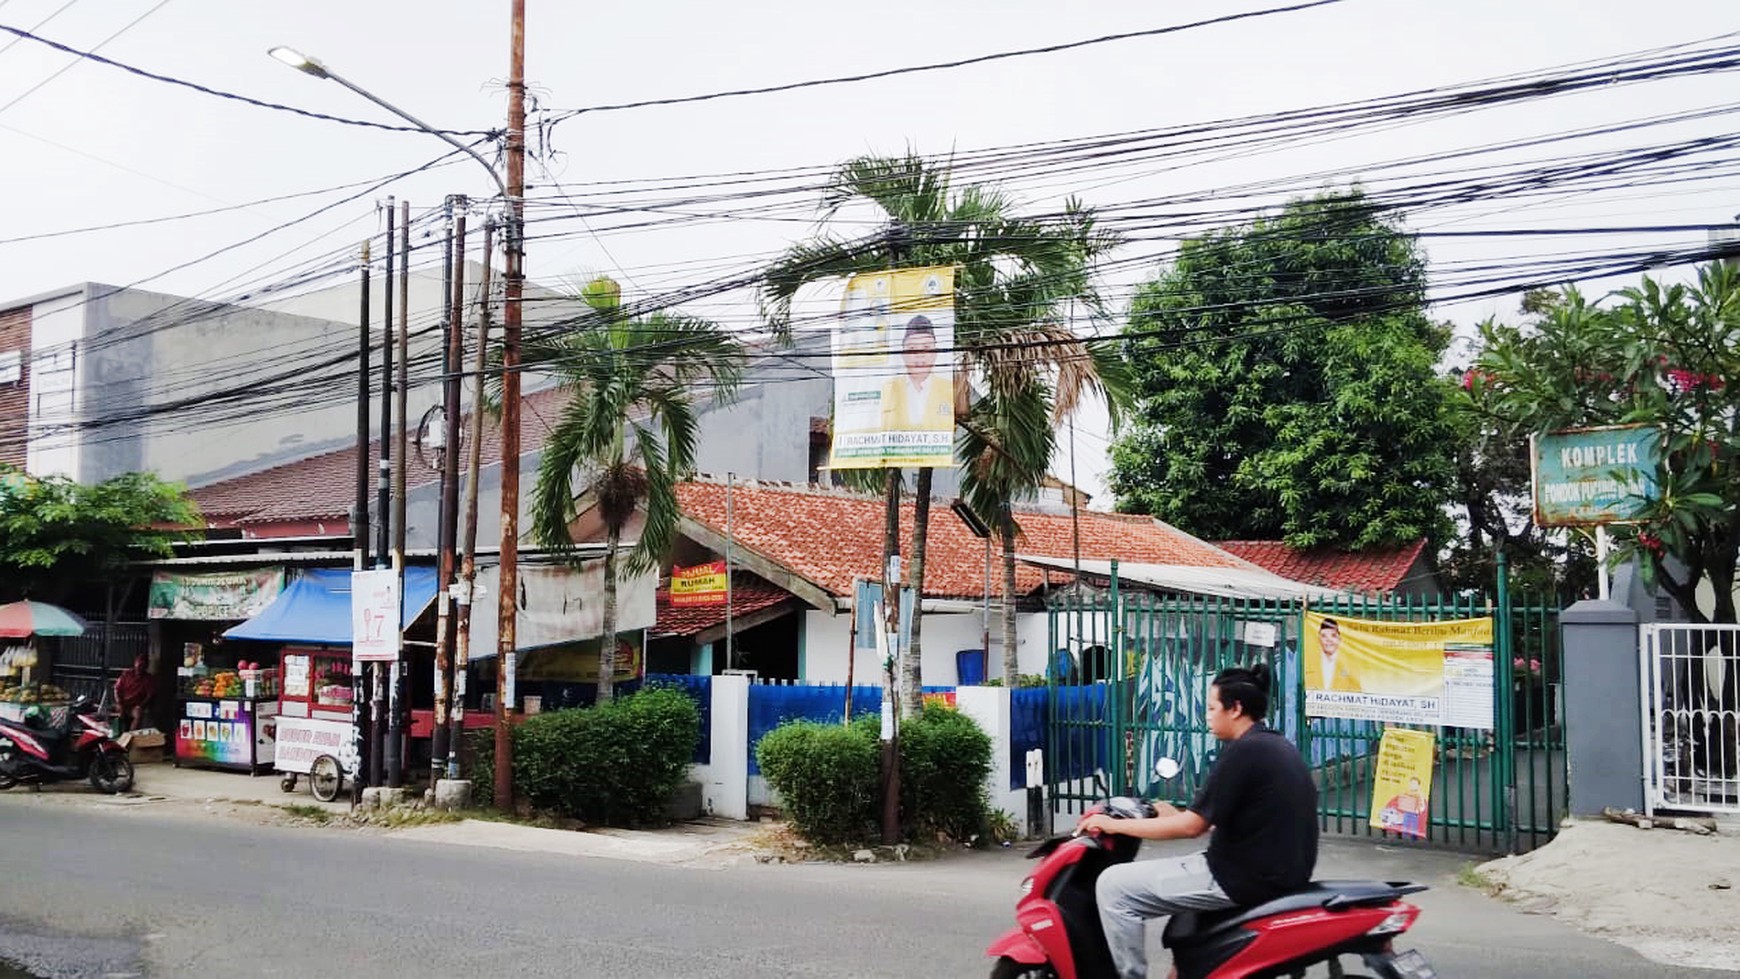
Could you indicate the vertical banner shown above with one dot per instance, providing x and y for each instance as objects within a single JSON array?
[
  {"x": 374, "y": 616},
  {"x": 1437, "y": 673},
  {"x": 893, "y": 364},
  {"x": 1401, "y": 791}
]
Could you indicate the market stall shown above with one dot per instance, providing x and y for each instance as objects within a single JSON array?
[{"x": 306, "y": 630}]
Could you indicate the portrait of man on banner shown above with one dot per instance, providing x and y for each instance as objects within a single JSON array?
[
  {"x": 1397, "y": 671},
  {"x": 893, "y": 366},
  {"x": 1328, "y": 669}
]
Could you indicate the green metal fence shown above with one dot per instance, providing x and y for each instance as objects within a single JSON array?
[{"x": 1130, "y": 679}]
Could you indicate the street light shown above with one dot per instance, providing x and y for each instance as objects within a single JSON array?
[
  {"x": 512, "y": 190},
  {"x": 313, "y": 66}
]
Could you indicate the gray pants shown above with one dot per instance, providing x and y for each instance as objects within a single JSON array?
[{"x": 1131, "y": 893}]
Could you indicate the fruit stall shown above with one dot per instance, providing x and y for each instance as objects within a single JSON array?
[{"x": 225, "y": 711}]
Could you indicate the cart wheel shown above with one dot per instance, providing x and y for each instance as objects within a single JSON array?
[
  {"x": 325, "y": 778},
  {"x": 287, "y": 783}
]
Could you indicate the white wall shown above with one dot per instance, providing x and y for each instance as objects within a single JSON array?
[
  {"x": 944, "y": 634},
  {"x": 57, "y": 329}
]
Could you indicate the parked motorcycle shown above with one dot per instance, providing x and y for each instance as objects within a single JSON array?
[
  {"x": 37, "y": 752},
  {"x": 1058, "y": 933}
]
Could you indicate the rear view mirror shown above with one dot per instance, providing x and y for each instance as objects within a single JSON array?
[{"x": 1167, "y": 768}]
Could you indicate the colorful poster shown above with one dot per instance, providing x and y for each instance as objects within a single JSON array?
[
  {"x": 703, "y": 584},
  {"x": 1398, "y": 672},
  {"x": 893, "y": 365},
  {"x": 1402, "y": 787},
  {"x": 221, "y": 596},
  {"x": 227, "y": 740}
]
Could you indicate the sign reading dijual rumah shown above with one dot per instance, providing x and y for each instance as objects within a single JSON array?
[
  {"x": 893, "y": 362},
  {"x": 703, "y": 584},
  {"x": 1591, "y": 476}
]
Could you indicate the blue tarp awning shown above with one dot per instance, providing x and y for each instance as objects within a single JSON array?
[{"x": 315, "y": 608}]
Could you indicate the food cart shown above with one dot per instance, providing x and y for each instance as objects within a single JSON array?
[
  {"x": 314, "y": 719},
  {"x": 225, "y": 711}
]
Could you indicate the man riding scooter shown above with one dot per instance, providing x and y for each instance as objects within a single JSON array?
[{"x": 1258, "y": 800}]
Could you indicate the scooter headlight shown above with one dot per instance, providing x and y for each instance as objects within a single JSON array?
[{"x": 1026, "y": 886}]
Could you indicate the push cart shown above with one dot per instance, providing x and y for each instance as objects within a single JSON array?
[{"x": 314, "y": 736}]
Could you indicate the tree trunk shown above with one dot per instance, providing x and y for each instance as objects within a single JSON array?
[
  {"x": 607, "y": 640},
  {"x": 1011, "y": 646},
  {"x": 912, "y": 664}
]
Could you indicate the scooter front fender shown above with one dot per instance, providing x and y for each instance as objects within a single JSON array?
[{"x": 1018, "y": 945}]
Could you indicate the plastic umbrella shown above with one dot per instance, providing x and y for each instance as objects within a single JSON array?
[{"x": 21, "y": 619}]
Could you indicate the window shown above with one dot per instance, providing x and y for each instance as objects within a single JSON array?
[{"x": 11, "y": 366}]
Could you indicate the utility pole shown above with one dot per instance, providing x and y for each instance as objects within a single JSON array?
[
  {"x": 442, "y": 748},
  {"x": 360, "y": 526},
  {"x": 378, "y": 676},
  {"x": 396, "y": 702},
  {"x": 473, "y": 464},
  {"x": 391, "y": 548},
  {"x": 438, "y": 682},
  {"x": 507, "y": 605},
  {"x": 891, "y": 612}
]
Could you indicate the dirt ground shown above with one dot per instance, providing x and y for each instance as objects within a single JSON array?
[{"x": 1667, "y": 893}]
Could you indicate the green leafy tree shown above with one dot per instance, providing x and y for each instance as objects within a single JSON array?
[
  {"x": 1664, "y": 355},
  {"x": 628, "y": 430},
  {"x": 57, "y": 535},
  {"x": 1013, "y": 274},
  {"x": 1286, "y": 385}
]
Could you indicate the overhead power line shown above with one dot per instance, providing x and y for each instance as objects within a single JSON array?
[
  {"x": 944, "y": 65},
  {"x": 232, "y": 96}
]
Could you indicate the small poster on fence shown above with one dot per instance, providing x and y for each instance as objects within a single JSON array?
[{"x": 1401, "y": 790}]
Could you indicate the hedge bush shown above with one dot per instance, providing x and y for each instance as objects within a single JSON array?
[
  {"x": 614, "y": 764},
  {"x": 827, "y": 777},
  {"x": 944, "y": 760}
]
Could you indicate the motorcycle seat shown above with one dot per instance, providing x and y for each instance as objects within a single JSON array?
[{"x": 1196, "y": 927}]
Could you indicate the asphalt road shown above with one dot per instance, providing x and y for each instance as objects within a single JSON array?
[{"x": 105, "y": 891}]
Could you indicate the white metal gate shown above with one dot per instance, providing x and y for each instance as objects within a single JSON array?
[{"x": 1691, "y": 716}]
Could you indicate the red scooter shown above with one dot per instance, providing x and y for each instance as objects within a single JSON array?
[
  {"x": 37, "y": 752},
  {"x": 1058, "y": 933}
]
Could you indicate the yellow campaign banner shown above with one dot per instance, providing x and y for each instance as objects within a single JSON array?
[
  {"x": 703, "y": 584},
  {"x": 893, "y": 366},
  {"x": 1401, "y": 792},
  {"x": 1437, "y": 673}
]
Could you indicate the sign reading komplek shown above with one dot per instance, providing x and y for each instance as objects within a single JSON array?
[{"x": 1593, "y": 476}]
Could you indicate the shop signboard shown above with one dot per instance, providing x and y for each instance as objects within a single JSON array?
[
  {"x": 1437, "y": 673},
  {"x": 1591, "y": 476},
  {"x": 300, "y": 740},
  {"x": 218, "y": 596}
]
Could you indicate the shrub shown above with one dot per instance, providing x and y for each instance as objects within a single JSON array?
[
  {"x": 615, "y": 763},
  {"x": 944, "y": 760},
  {"x": 826, "y": 776}
]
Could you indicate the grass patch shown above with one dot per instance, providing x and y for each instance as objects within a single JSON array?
[
  {"x": 1470, "y": 876},
  {"x": 317, "y": 814}
]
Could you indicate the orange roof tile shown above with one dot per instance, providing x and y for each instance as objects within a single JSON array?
[
  {"x": 830, "y": 536},
  {"x": 1377, "y": 570}
]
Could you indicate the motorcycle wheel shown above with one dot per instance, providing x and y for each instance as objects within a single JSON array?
[
  {"x": 6, "y": 781},
  {"x": 111, "y": 772},
  {"x": 1007, "y": 968},
  {"x": 325, "y": 778}
]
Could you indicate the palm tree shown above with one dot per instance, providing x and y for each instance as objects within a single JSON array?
[
  {"x": 1012, "y": 275},
  {"x": 629, "y": 427}
]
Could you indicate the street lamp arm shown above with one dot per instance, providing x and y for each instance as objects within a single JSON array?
[
  {"x": 317, "y": 69},
  {"x": 420, "y": 124}
]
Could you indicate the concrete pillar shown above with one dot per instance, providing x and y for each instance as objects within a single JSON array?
[
  {"x": 989, "y": 708},
  {"x": 1603, "y": 706},
  {"x": 725, "y": 785}
]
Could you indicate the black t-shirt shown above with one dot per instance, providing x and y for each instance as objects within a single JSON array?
[{"x": 1263, "y": 806}]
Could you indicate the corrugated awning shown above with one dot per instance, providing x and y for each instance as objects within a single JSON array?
[
  {"x": 315, "y": 608},
  {"x": 1224, "y": 582}
]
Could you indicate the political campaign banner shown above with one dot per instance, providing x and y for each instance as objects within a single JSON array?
[
  {"x": 893, "y": 366},
  {"x": 1401, "y": 790},
  {"x": 1437, "y": 673}
]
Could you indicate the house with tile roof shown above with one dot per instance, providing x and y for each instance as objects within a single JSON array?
[{"x": 1403, "y": 571}]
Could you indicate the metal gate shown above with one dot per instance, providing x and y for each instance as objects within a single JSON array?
[
  {"x": 1113, "y": 715},
  {"x": 1691, "y": 716},
  {"x": 80, "y": 665}
]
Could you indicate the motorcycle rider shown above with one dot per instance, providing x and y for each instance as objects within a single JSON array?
[{"x": 1262, "y": 806}]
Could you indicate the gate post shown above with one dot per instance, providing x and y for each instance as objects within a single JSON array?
[{"x": 1603, "y": 698}]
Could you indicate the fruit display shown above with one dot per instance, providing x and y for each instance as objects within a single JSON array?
[
  {"x": 34, "y": 693},
  {"x": 223, "y": 683}
]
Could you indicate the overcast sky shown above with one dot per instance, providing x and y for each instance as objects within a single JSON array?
[{"x": 95, "y": 145}]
